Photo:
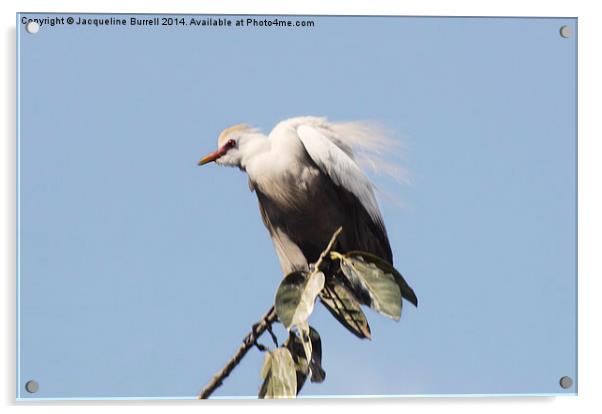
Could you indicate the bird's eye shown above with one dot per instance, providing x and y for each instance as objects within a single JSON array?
[{"x": 231, "y": 143}]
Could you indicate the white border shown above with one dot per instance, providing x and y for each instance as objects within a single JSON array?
[{"x": 590, "y": 160}]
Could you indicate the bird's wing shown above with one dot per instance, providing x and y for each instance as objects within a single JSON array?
[
  {"x": 338, "y": 164},
  {"x": 289, "y": 254}
]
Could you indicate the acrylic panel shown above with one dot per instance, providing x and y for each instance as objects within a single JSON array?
[{"x": 140, "y": 272}]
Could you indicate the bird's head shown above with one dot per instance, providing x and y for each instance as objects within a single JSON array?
[{"x": 229, "y": 145}]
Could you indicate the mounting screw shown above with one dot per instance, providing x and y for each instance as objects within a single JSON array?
[
  {"x": 32, "y": 27},
  {"x": 32, "y": 386},
  {"x": 566, "y": 382},
  {"x": 565, "y": 31}
]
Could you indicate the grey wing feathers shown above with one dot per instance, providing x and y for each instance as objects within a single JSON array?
[{"x": 289, "y": 254}]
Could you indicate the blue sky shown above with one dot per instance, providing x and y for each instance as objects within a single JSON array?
[{"x": 141, "y": 272}]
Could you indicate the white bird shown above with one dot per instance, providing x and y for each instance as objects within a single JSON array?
[{"x": 308, "y": 183}]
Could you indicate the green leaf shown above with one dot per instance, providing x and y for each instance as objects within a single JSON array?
[
  {"x": 372, "y": 285},
  {"x": 296, "y": 296},
  {"x": 341, "y": 303},
  {"x": 303, "y": 368},
  {"x": 406, "y": 291},
  {"x": 303, "y": 329},
  {"x": 278, "y": 372},
  {"x": 295, "y": 346},
  {"x": 317, "y": 373}
]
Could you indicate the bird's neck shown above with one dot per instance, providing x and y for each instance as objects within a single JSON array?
[{"x": 253, "y": 146}]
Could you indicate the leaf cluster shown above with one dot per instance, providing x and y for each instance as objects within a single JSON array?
[{"x": 343, "y": 282}]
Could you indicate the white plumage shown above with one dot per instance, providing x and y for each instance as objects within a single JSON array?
[{"x": 308, "y": 183}]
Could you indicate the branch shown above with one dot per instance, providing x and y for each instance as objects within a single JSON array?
[
  {"x": 248, "y": 343},
  {"x": 265, "y": 324}
]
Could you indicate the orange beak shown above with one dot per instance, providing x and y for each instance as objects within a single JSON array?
[
  {"x": 217, "y": 154},
  {"x": 214, "y": 155},
  {"x": 211, "y": 157}
]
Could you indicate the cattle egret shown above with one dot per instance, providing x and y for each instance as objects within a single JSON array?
[{"x": 308, "y": 183}]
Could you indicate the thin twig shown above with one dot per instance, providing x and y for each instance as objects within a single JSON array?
[
  {"x": 265, "y": 324},
  {"x": 333, "y": 239},
  {"x": 273, "y": 335}
]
